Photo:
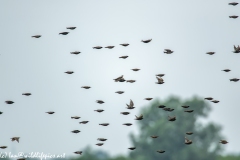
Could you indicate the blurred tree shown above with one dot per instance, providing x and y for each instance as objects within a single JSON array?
[
  {"x": 171, "y": 134},
  {"x": 229, "y": 157}
]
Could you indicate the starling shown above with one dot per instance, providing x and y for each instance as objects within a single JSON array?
[
  {"x": 78, "y": 152},
  {"x": 75, "y": 131},
  {"x": 104, "y": 124},
  {"x": 72, "y": 28},
  {"x": 215, "y": 101},
  {"x": 69, "y": 72},
  {"x": 131, "y": 81},
  {"x": 208, "y": 98},
  {"x": 189, "y": 111},
  {"x": 75, "y": 117},
  {"x": 36, "y": 36},
  {"x": 15, "y": 139},
  {"x": 97, "y": 47},
  {"x": 139, "y": 118},
  {"x": 149, "y": 99},
  {"x": 154, "y": 136},
  {"x": 223, "y": 141},
  {"x": 161, "y": 106},
  {"x": 147, "y": 41},
  {"x": 127, "y": 124},
  {"x": 110, "y": 47},
  {"x": 236, "y": 49},
  {"x": 160, "y": 151},
  {"x": 168, "y": 51},
  {"x": 187, "y": 141},
  {"x": 118, "y": 78},
  {"x": 171, "y": 118},
  {"x": 233, "y": 3},
  {"x": 226, "y": 70},
  {"x": 168, "y": 109},
  {"x": 185, "y": 106},
  {"x": 189, "y": 133},
  {"x": 123, "y": 57},
  {"x": 9, "y": 102},
  {"x": 75, "y": 52},
  {"x": 125, "y": 113},
  {"x": 234, "y": 17},
  {"x": 130, "y": 106},
  {"x": 132, "y": 148},
  {"x": 99, "y": 144},
  {"x": 64, "y": 33},
  {"x": 99, "y": 110},
  {"x": 135, "y": 69},
  {"x": 160, "y": 75},
  {"x": 26, "y": 94},
  {"x": 50, "y": 112},
  {"x": 210, "y": 53},
  {"x": 124, "y": 44},
  {"x": 3, "y": 147},
  {"x": 84, "y": 122},
  {"x": 120, "y": 92},
  {"x": 234, "y": 79},
  {"x": 122, "y": 80},
  {"x": 86, "y": 87},
  {"x": 100, "y": 101},
  {"x": 160, "y": 80},
  {"x": 1, "y": 112},
  {"x": 101, "y": 139}
]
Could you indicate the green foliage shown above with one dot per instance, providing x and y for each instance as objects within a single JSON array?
[
  {"x": 171, "y": 134},
  {"x": 229, "y": 157}
]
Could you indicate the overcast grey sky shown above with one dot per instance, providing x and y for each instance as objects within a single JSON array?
[{"x": 190, "y": 28}]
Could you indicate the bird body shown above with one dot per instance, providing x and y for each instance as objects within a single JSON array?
[
  {"x": 9, "y": 102},
  {"x": 50, "y": 112},
  {"x": 130, "y": 106},
  {"x": 99, "y": 144},
  {"x": 124, "y": 44},
  {"x": 78, "y": 152},
  {"x": 131, "y": 81},
  {"x": 226, "y": 70},
  {"x": 3, "y": 147},
  {"x": 15, "y": 139},
  {"x": 147, "y": 41},
  {"x": 110, "y": 47},
  {"x": 187, "y": 141},
  {"x": 123, "y": 57},
  {"x": 160, "y": 75},
  {"x": 148, "y": 99},
  {"x": 139, "y": 118},
  {"x": 69, "y": 72},
  {"x": 135, "y": 69},
  {"x": 71, "y": 28},
  {"x": 160, "y": 80},
  {"x": 97, "y": 47},
  {"x": 120, "y": 92},
  {"x": 189, "y": 111},
  {"x": 160, "y": 151},
  {"x": 223, "y": 141},
  {"x": 75, "y": 131},
  {"x": 84, "y": 122},
  {"x": 26, "y": 94},
  {"x": 234, "y": 17},
  {"x": 100, "y": 101},
  {"x": 234, "y": 79},
  {"x": 99, "y": 110},
  {"x": 132, "y": 148},
  {"x": 127, "y": 124},
  {"x": 36, "y": 36},
  {"x": 104, "y": 124},
  {"x": 161, "y": 106},
  {"x": 86, "y": 87},
  {"x": 154, "y": 136},
  {"x": 215, "y": 101},
  {"x": 75, "y": 52},
  {"x": 101, "y": 139},
  {"x": 233, "y": 3},
  {"x": 125, "y": 113},
  {"x": 171, "y": 118},
  {"x": 189, "y": 133},
  {"x": 236, "y": 49},
  {"x": 185, "y": 106},
  {"x": 118, "y": 78},
  {"x": 208, "y": 98},
  {"x": 75, "y": 117},
  {"x": 63, "y": 33},
  {"x": 210, "y": 53},
  {"x": 168, "y": 51}
]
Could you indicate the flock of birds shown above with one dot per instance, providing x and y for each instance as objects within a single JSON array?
[{"x": 130, "y": 106}]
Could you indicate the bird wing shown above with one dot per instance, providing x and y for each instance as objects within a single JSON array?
[
  {"x": 159, "y": 79},
  {"x": 131, "y": 103}
]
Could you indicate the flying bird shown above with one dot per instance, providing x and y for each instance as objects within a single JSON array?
[
  {"x": 215, "y": 101},
  {"x": 36, "y": 36},
  {"x": 171, "y": 118},
  {"x": 123, "y": 57},
  {"x": 208, "y": 98},
  {"x": 120, "y": 92},
  {"x": 63, "y": 33},
  {"x": 160, "y": 75},
  {"x": 189, "y": 111},
  {"x": 147, "y": 41},
  {"x": 3, "y": 147},
  {"x": 104, "y": 124},
  {"x": 187, "y": 141},
  {"x": 135, "y": 69},
  {"x": 234, "y": 79},
  {"x": 223, "y": 141},
  {"x": 69, "y": 72},
  {"x": 15, "y": 139},
  {"x": 100, "y": 101},
  {"x": 86, "y": 87},
  {"x": 97, "y": 47},
  {"x": 78, "y": 152},
  {"x": 234, "y": 17},
  {"x": 130, "y": 106},
  {"x": 99, "y": 110},
  {"x": 154, "y": 136},
  {"x": 99, "y": 144},
  {"x": 124, "y": 44},
  {"x": 84, "y": 122},
  {"x": 160, "y": 151},
  {"x": 9, "y": 102},
  {"x": 139, "y": 118},
  {"x": 236, "y": 49},
  {"x": 132, "y": 148},
  {"x": 160, "y": 80},
  {"x": 75, "y": 52},
  {"x": 26, "y": 94},
  {"x": 189, "y": 133},
  {"x": 50, "y": 112},
  {"x": 185, "y": 106},
  {"x": 125, "y": 113},
  {"x": 127, "y": 124},
  {"x": 75, "y": 117},
  {"x": 233, "y": 3},
  {"x": 210, "y": 53},
  {"x": 168, "y": 51},
  {"x": 101, "y": 139},
  {"x": 168, "y": 109},
  {"x": 75, "y": 131},
  {"x": 161, "y": 106},
  {"x": 1, "y": 112},
  {"x": 71, "y": 28},
  {"x": 131, "y": 81},
  {"x": 110, "y": 47},
  {"x": 148, "y": 99},
  {"x": 118, "y": 78},
  {"x": 226, "y": 70}
]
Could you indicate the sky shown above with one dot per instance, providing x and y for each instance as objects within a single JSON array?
[{"x": 189, "y": 28}]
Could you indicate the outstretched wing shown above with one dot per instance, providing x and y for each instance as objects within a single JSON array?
[
  {"x": 160, "y": 80},
  {"x": 131, "y": 103}
]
